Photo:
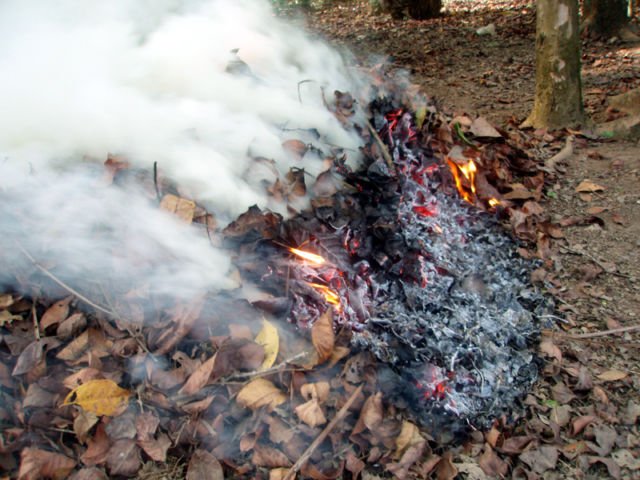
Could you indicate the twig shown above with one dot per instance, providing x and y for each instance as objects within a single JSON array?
[
  {"x": 602, "y": 333},
  {"x": 34, "y": 317},
  {"x": 604, "y": 267},
  {"x": 267, "y": 371},
  {"x": 320, "y": 438},
  {"x": 62, "y": 284},
  {"x": 383, "y": 148},
  {"x": 155, "y": 181},
  {"x": 308, "y": 80}
]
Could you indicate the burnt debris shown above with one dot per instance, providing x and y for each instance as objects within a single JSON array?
[{"x": 428, "y": 283}]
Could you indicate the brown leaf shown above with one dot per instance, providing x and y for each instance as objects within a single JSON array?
[
  {"x": 518, "y": 192},
  {"x": 617, "y": 218},
  {"x": 353, "y": 463},
  {"x": 36, "y": 464},
  {"x": 541, "y": 459},
  {"x": 491, "y": 464},
  {"x": 199, "y": 378},
  {"x": 446, "y": 470},
  {"x": 409, "y": 435},
  {"x": 515, "y": 445},
  {"x": 606, "y": 437},
  {"x": 270, "y": 457},
  {"x": 124, "y": 458},
  {"x": 279, "y": 431},
  {"x": 56, "y": 313},
  {"x": 184, "y": 209},
  {"x": 584, "y": 379},
  {"x": 81, "y": 376},
  {"x": 72, "y": 326},
  {"x": 370, "y": 415},
  {"x": 97, "y": 448},
  {"x": 561, "y": 393},
  {"x": 83, "y": 423},
  {"x": 493, "y": 436},
  {"x": 204, "y": 465},
  {"x": 33, "y": 355},
  {"x": 587, "y": 186},
  {"x": 237, "y": 354},
  {"x": 259, "y": 393},
  {"x": 612, "y": 376},
  {"x": 311, "y": 413},
  {"x": 318, "y": 391},
  {"x": 323, "y": 336},
  {"x": 581, "y": 422},
  {"x": 156, "y": 448},
  {"x": 37, "y": 396},
  {"x": 146, "y": 425},
  {"x": 482, "y": 128},
  {"x": 596, "y": 210},
  {"x": 561, "y": 415},
  {"x": 184, "y": 317},
  {"x": 612, "y": 467},
  {"x": 89, "y": 474},
  {"x": 295, "y": 148},
  {"x": 550, "y": 349}
]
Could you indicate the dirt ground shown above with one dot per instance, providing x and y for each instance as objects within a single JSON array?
[{"x": 595, "y": 266}]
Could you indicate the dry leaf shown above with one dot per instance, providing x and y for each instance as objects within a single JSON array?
[
  {"x": 323, "y": 337},
  {"x": 587, "y": 186},
  {"x": 596, "y": 210},
  {"x": 550, "y": 349},
  {"x": 371, "y": 414},
  {"x": 156, "y": 448},
  {"x": 446, "y": 470},
  {"x": 204, "y": 465},
  {"x": 199, "y": 378},
  {"x": 311, "y": 413},
  {"x": 259, "y": 393},
  {"x": 580, "y": 423},
  {"x": 181, "y": 207},
  {"x": 269, "y": 339},
  {"x": 36, "y": 464},
  {"x": 541, "y": 459},
  {"x": 101, "y": 397},
  {"x": 409, "y": 435},
  {"x": 124, "y": 458},
  {"x": 97, "y": 448},
  {"x": 318, "y": 391},
  {"x": 84, "y": 422},
  {"x": 482, "y": 128},
  {"x": 56, "y": 313},
  {"x": 264, "y": 456},
  {"x": 33, "y": 355},
  {"x": 612, "y": 375},
  {"x": 491, "y": 464}
]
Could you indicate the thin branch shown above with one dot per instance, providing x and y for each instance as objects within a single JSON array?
[
  {"x": 602, "y": 333},
  {"x": 62, "y": 284},
  {"x": 267, "y": 371},
  {"x": 155, "y": 181},
  {"x": 34, "y": 317},
  {"x": 320, "y": 438},
  {"x": 383, "y": 148}
]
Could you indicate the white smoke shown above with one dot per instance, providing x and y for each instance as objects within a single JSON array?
[{"x": 153, "y": 81}]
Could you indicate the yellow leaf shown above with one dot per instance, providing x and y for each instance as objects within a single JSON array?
[
  {"x": 101, "y": 397},
  {"x": 587, "y": 186},
  {"x": 269, "y": 339},
  {"x": 260, "y": 393},
  {"x": 181, "y": 207},
  {"x": 612, "y": 375}
]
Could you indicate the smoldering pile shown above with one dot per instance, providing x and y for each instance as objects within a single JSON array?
[{"x": 428, "y": 283}]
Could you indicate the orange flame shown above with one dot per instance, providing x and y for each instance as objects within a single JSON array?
[
  {"x": 494, "y": 202},
  {"x": 469, "y": 172},
  {"x": 308, "y": 256},
  {"x": 329, "y": 295}
]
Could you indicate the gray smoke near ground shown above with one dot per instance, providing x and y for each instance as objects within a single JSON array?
[{"x": 200, "y": 87}]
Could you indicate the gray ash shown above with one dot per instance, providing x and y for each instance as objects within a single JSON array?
[{"x": 429, "y": 284}]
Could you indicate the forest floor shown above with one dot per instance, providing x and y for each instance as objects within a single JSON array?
[{"x": 594, "y": 266}]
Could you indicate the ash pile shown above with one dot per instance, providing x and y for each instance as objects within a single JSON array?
[{"x": 410, "y": 260}]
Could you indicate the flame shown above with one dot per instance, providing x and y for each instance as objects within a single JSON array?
[
  {"x": 329, "y": 295},
  {"x": 467, "y": 171},
  {"x": 494, "y": 202},
  {"x": 308, "y": 256}
]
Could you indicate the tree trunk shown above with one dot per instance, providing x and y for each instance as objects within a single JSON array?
[
  {"x": 558, "y": 101},
  {"x": 605, "y": 18}
]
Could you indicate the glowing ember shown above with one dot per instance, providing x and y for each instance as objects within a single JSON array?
[
  {"x": 308, "y": 256},
  {"x": 494, "y": 202},
  {"x": 329, "y": 295}
]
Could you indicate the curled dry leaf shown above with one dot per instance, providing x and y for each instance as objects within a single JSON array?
[
  {"x": 269, "y": 339},
  {"x": 156, "y": 448},
  {"x": 101, "y": 397},
  {"x": 323, "y": 336},
  {"x": 371, "y": 414},
  {"x": 83, "y": 423},
  {"x": 580, "y": 423},
  {"x": 409, "y": 435},
  {"x": 36, "y": 464},
  {"x": 124, "y": 458},
  {"x": 541, "y": 459},
  {"x": 264, "y": 456},
  {"x": 491, "y": 464},
  {"x": 260, "y": 393},
  {"x": 204, "y": 465},
  {"x": 318, "y": 391},
  {"x": 587, "y": 186},
  {"x": 446, "y": 470},
  {"x": 311, "y": 413}
]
